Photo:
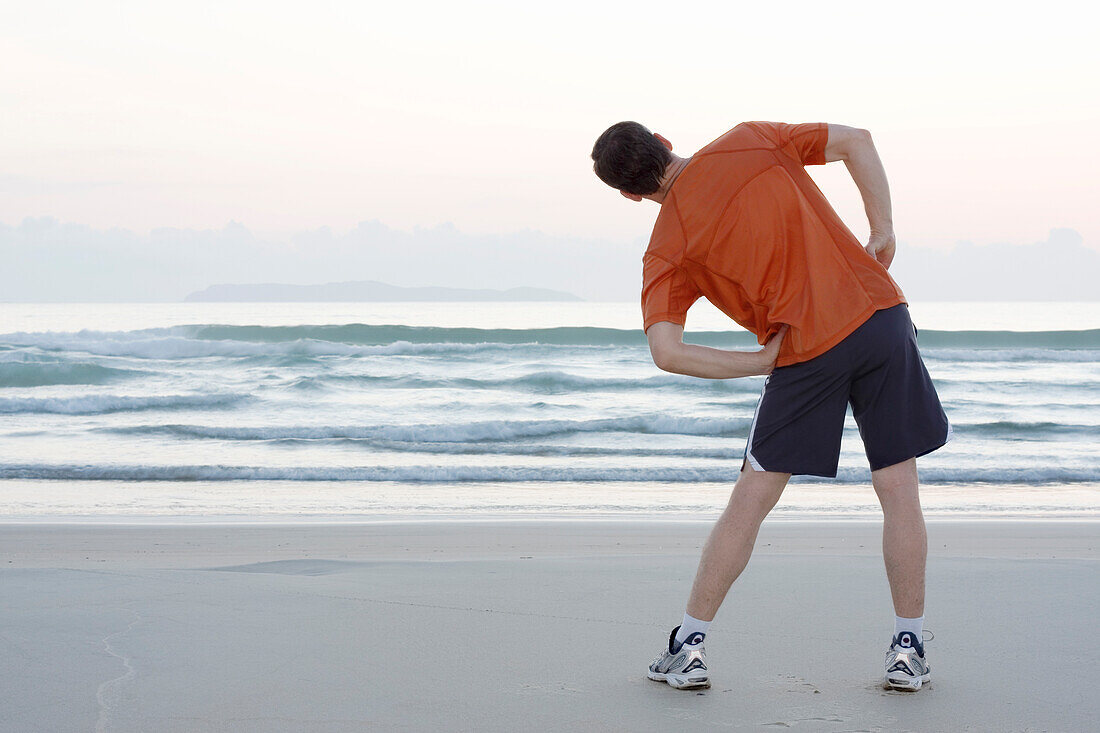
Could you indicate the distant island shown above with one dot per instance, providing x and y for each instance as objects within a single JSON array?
[{"x": 364, "y": 291}]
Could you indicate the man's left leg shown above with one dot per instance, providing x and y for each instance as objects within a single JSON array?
[
  {"x": 729, "y": 546},
  {"x": 726, "y": 553}
]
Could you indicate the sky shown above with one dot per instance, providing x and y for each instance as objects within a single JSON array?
[{"x": 130, "y": 118}]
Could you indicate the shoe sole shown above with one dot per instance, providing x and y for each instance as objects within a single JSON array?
[
  {"x": 680, "y": 681},
  {"x": 906, "y": 684}
]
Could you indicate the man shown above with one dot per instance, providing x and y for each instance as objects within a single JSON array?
[{"x": 744, "y": 225}]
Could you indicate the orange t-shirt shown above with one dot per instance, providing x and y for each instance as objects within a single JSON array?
[{"x": 746, "y": 226}]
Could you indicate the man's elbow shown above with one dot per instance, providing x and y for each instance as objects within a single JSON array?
[
  {"x": 664, "y": 357},
  {"x": 665, "y": 345},
  {"x": 861, "y": 140},
  {"x": 844, "y": 142}
]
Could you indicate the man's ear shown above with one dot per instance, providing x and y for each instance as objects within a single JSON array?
[
  {"x": 631, "y": 196},
  {"x": 664, "y": 141}
]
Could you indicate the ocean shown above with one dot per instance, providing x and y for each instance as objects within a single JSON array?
[{"x": 361, "y": 411}]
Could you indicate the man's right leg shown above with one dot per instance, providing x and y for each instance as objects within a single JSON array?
[
  {"x": 730, "y": 544},
  {"x": 904, "y": 547},
  {"x": 904, "y": 538}
]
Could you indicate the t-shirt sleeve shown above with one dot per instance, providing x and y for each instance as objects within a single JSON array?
[
  {"x": 805, "y": 141},
  {"x": 667, "y": 292}
]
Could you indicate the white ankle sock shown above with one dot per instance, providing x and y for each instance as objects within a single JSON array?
[
  {"x": 691, "y": 625},
  {"x": 914, "y": 626}
]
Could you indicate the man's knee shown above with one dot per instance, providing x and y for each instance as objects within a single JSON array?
[
  {"x": 758, "y": 491},
  {"x": 898, "y": 478},
  {"x": 902, "y": 470}
]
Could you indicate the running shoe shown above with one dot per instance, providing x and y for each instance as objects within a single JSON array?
[
  {"x": 906, "y": 668},
  {"x": 683, "y": 666}
]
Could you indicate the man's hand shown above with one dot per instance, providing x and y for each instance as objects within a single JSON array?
[
  {"x": 770, "y": 352},
  {"x": 881, "y": 246}
]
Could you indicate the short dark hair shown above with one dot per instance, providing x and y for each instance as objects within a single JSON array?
[{"x": 628, "y": 157}]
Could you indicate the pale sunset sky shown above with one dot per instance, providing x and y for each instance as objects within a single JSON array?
[{"x": 286, "y": 117}]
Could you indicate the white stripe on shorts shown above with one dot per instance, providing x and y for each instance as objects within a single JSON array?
[{"x": 752, "y": 429}]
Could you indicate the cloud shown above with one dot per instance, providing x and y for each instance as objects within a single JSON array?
[
  {"x": 49, "y": 260},
  {"x": 1061, "y": 268}
]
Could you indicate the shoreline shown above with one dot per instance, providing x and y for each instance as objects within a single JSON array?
[
  {"x": 261, "y": 501},
  {"x": 305, "y": 520},
  {"x": 39, "y": 545}
]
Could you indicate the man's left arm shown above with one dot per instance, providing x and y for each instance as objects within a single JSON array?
[
  {"x": 671, "y": 354},
  {"x": 855, "y": 147}
]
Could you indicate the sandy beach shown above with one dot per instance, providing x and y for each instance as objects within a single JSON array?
[{"x": 536, "y": 625}]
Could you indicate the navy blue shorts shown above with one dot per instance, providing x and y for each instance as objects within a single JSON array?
[{"x": 878, "y": 369}]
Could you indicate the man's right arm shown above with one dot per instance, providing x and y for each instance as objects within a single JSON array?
[{"x": 854, "y": 146}]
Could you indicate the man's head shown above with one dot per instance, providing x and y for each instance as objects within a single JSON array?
[{"x": 632, "y": 159}]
